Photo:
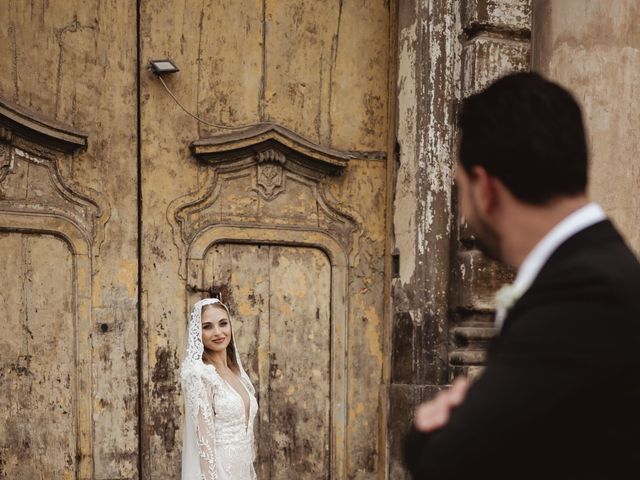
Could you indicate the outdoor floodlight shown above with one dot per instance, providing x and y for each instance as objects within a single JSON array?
[{"x": 159, "y": 67}]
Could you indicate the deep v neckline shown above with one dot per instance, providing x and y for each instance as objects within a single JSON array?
[{"x": 246, "y": 412}]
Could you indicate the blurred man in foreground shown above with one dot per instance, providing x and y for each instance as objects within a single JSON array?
[{"x": 560, "y": 394}]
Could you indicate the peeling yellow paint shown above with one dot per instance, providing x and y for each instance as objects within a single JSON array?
[
  {"x": 128, "y": 275},
  {"x": 373, "y": 333},
  {"x": 97, "y": 407},
  {"x": 96, "y": 294}
]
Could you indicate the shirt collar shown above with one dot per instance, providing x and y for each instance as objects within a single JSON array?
[{"x": 573, "y": 223}]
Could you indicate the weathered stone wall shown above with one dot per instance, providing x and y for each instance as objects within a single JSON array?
[
  {"x": 496, "y": 42},
  {"x": 427, "y": 89},
  {"x": 593, "y": 48}
]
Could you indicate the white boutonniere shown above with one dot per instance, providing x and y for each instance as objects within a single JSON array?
[
  {"x": 507, "y": 295},
  {"x": 505, "y": 298}
]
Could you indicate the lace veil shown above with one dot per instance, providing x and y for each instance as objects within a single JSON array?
[{"x": 199, "y": 383}]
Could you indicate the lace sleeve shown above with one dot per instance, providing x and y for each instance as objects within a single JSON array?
[
  {"x": 253, "y": 446},
  {"x": 199, "y": 406}
]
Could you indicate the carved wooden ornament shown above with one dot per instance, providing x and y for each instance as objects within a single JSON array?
[
  {"x": 32, "y": 187},
  {"x": 284, "y": 145},
  {"x": 267, "y": 186},
  {"x": 262, "y": 176}
]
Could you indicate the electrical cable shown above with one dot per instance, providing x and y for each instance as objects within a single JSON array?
[{"x": 226, "y": 127}]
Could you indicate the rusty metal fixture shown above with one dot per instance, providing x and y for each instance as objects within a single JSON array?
[{"x": 213, "y": 292}]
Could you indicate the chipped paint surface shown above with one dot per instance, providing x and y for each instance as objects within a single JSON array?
[
  {"x": 288, "y": 316},
  {"x": 404, "y": 221},
  {"x": 427, "y": 90},
  {"x": 425, "y": 97},
  {"x": 595, "y": 52},
  {"x": 497, "y": 15},
  {"x": 487, "y": 57},
  {"x": 38, "y": 407},
  {"x": 61, "y": 66},
  {"x": 428, "y": 58}
]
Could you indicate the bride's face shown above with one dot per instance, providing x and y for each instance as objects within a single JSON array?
[{"x": 216, "y": 329}]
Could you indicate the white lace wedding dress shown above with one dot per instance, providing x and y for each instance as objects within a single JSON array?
[{"x": 218, "y": 439}]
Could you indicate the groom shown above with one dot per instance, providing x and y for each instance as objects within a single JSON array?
[{"x": 560, "y": 394}]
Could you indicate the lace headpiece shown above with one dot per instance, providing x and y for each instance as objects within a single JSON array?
[{"x": 195, "y": 348}]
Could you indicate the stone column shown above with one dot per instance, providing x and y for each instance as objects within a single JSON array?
[
  {"x": 441, "y": 291},
  {"x": 428, "y": 77},
  {"x": 496, "y": 35},
  {"x": 592, "y": 47}
]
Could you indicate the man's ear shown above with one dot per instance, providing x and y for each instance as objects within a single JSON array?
[{"x": 484, "y": 190}]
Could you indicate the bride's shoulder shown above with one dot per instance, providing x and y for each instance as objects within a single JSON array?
[{"x": 201, "y": 372}]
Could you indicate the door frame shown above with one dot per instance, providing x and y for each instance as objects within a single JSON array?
[
  {"x": 80, "y": 249},
  {"x": 338, "y": 259}
]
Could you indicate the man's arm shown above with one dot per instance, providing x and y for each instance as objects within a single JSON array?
[
  {"x": 435, "y": 413},
  {"x": 535, "y": 372}
]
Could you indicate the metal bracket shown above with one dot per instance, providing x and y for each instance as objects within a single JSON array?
[{"x": 213, "y": 291}]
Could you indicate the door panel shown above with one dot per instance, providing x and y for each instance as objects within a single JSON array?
[
  {"x": 280, "y": 300},
  {"x": 37, "y": 358}
]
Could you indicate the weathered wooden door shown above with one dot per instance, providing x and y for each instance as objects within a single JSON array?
[
  {"x": 68, "y": 240},
  {"x": 283, "y": 203},
  {"x": 280, "y": 298},
  {"x": 114, "y": 204}
]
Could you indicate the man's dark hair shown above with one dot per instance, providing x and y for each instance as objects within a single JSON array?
[{"x": 528, "y": 132}]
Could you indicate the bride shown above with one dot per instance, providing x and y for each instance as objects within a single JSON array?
[{"x": 220, "y": 404}]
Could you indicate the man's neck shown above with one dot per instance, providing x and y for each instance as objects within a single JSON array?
[{"x": 525, "y": 225}]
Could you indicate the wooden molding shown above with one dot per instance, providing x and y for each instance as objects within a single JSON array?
[
  {"x": 19, "y": 121},
  {"x": 268, "y": 142}
]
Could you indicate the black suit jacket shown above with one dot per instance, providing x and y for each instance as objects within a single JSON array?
[{"x": 560, "y": 395}]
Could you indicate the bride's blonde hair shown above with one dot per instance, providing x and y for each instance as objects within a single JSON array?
[{"x": 207, "y": 355}]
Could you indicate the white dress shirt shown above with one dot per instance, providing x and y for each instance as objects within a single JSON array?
[{"x": 582, "y": 218}]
